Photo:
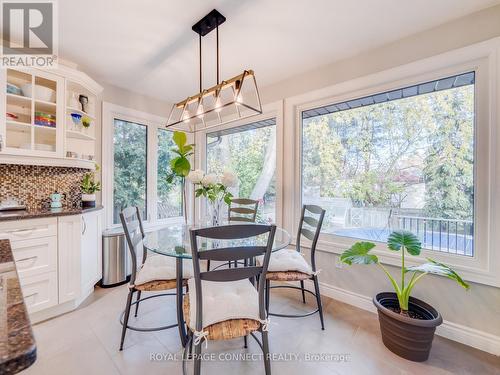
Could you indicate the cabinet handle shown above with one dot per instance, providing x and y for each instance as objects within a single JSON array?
[
  {"x": 25, "y": 259},
  {"x": 25, "y": 232},
  {"x": 30, "y": 295},
  {"x": 84, "y": 225}
]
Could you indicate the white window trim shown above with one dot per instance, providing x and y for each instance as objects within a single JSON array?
[
  {"x": 153, "y": 123},
  {"x": 483, "y": 58},
  {"x": 271, "y": 110}
]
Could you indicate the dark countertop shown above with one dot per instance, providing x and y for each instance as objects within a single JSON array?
[
  {"x": 35, "y": 214},
  {"x": 17, "y": 343}
]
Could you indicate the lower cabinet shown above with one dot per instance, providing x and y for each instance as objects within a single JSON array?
[
  {"x": 91, "y": 254},
  {"x": 69, "y": 233},
  {"x": 58, "y": 259}
]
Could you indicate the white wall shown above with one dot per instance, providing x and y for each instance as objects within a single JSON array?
[{"x": 473, "y": 316}]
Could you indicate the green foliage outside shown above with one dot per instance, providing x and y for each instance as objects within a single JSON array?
[{"x": 373, "y": 155}]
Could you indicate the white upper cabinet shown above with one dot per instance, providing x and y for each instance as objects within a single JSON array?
[{"x": 48, "y": 117}]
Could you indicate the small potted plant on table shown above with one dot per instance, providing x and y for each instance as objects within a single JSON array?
[
  {"x": 89, "y": 187},
  {"x": 407, "y": 323}
]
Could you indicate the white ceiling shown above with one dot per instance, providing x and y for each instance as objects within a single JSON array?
[{"x": 148, "y": 46}]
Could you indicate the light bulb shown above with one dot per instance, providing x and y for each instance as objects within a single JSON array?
[
  {"x": 200, "y": 111},
  {"x": 185, "y": 115},
  {"x": 218, "y": 104}
]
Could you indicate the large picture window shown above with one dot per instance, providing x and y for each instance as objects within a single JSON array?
[
  {"x": 130, "y": 167},
  {"x": 141, "y": 160},
  {"x": 169, "y": 195},
  {"x": 402, "y": 159},
  {"x": 249, "y": 151}
]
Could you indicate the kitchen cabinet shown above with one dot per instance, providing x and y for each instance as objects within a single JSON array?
[
  {"x": 91, "y": 254},
  {"x": 69, "y": 235},
  {"x": 41, "y": 117},
  {"x": 59, "y": 260}
]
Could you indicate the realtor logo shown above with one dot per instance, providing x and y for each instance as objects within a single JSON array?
[{"x": 29, "y": 34}]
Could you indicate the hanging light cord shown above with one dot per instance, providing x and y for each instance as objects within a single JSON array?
[
  {"x": 201, "y": 85},
  {"x": 217, "y": 41}
]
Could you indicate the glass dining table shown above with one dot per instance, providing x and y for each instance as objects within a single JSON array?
[{"x": 174, "y": 241}]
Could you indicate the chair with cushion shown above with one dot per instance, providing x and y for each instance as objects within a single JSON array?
[
  {"x": 156, "y": 273},
  {"x": 224, "y": 304},
  {"x": 289, "y": 265},
  {"x": 241, "y": 213}
]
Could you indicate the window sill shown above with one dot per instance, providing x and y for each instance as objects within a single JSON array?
[{"x": 469, "y": 268}]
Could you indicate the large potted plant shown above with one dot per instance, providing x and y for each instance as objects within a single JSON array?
[
  {"x": 407, "y": 323},
  {"x": 180, "y": 165},
  {"x": 89, "y": 187}
]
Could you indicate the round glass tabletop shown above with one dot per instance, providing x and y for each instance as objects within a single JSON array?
[{"x": 174, "y": 241}]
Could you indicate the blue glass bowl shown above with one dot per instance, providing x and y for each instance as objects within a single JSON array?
[{"x": 76, "y": 117}]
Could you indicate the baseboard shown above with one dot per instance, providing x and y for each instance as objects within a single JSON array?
[{"x": 465, "y": 335}]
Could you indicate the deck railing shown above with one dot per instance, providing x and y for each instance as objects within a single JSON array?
[{"x": 447, "y": 235}]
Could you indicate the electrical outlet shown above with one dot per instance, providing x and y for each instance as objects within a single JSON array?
[{"x": 338, "y": 262}]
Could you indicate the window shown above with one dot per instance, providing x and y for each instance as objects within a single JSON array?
[
  {"x": 249, "y": 151},
  {"x": 402, "y": 159},
  {"x": 130, "y": 167},
  {"x": 169, "y": 201}
]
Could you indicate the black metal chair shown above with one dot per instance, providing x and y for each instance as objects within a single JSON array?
[
  {"x": 211, "y": 283},
  {"x": 139, "y": 279},
  {"x": 241, "y": 214},
  {"x": 245, "y": 214},
  {"x": 312, "y": 233}
]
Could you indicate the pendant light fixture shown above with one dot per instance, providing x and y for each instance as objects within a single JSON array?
[{"x": 230, "y": 100}]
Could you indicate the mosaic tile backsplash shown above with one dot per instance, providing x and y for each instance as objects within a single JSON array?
[{"x": 32, "y": 185}]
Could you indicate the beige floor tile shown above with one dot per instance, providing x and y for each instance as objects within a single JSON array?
[{"x": 86, "y": 342}]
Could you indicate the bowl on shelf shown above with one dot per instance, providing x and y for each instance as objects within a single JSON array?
[
  {"x": 76, "y": 118},
  {"x": 41, "y": 92},
  {"x": 13, "y": 89}
]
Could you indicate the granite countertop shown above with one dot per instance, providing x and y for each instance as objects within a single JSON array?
[
  {"x": 17, "y": 343},
  {"x": 35, "y": 214}
]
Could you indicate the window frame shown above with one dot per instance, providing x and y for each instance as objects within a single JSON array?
[
  {"x": 272, "y": 110},
  {"x": 152, "y": 123},
  {"x": 479, "y": 268}
]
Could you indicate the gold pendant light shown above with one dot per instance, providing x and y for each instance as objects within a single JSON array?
[{"x": 230, "y": 100}]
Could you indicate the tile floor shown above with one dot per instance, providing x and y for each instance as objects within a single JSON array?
[{"x": 86, "y": 342}]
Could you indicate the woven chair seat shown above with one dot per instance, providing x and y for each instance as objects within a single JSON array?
[
  {"x": 287, "y": 276},
  {"x": 158, "y": 285},
  {"x": 225, "y": 330}
]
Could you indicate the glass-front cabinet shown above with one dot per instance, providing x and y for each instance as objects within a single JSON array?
[{"x": 49, "y": 115}]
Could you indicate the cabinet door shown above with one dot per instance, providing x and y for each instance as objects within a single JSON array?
[
  {"x": 69, "y": 236},
  {"x": 91, "y": 259},
  {"x": 34, "y": 102}
]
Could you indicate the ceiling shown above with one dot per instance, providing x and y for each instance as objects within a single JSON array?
[{"x": 148, "y": 46}]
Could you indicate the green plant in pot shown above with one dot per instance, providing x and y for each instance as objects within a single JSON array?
[
  {"x": 180, "y": 165},
  {"x": 89, "y": 187},
  {"x": 407, "y": 323}
]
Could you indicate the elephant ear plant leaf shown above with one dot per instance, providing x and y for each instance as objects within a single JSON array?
[
  {"x": 405, "y": 242},
  {"x": 180, "y": 166}
]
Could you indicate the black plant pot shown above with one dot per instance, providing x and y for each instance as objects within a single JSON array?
[{"x": 407, "y": 337}]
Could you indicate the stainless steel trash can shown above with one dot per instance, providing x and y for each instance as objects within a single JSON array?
[{"x": 116, "y": 264}]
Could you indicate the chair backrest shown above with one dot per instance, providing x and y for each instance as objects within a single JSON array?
[
  {"x": 134, "y": 233},
  {"x": 230, "y": 232},
  {"x": 249, "y": 212},
  {"x": 312, "y": 216}
]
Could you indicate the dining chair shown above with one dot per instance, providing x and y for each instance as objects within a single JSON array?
[
  {"x": 156, "y": 272},
  {"x": 224, "y": 304},
  {"x": 289, "y": 265},
  {"x": 240, "y": 213}
]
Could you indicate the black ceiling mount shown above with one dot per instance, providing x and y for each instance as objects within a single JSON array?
[{"x": 208, "y": 23}]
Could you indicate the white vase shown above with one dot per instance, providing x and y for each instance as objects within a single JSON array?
[
  {"x": 215, "y": 209},
  {"x": 88, "y": 200},
  {"x": 73, "y": 101}
]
